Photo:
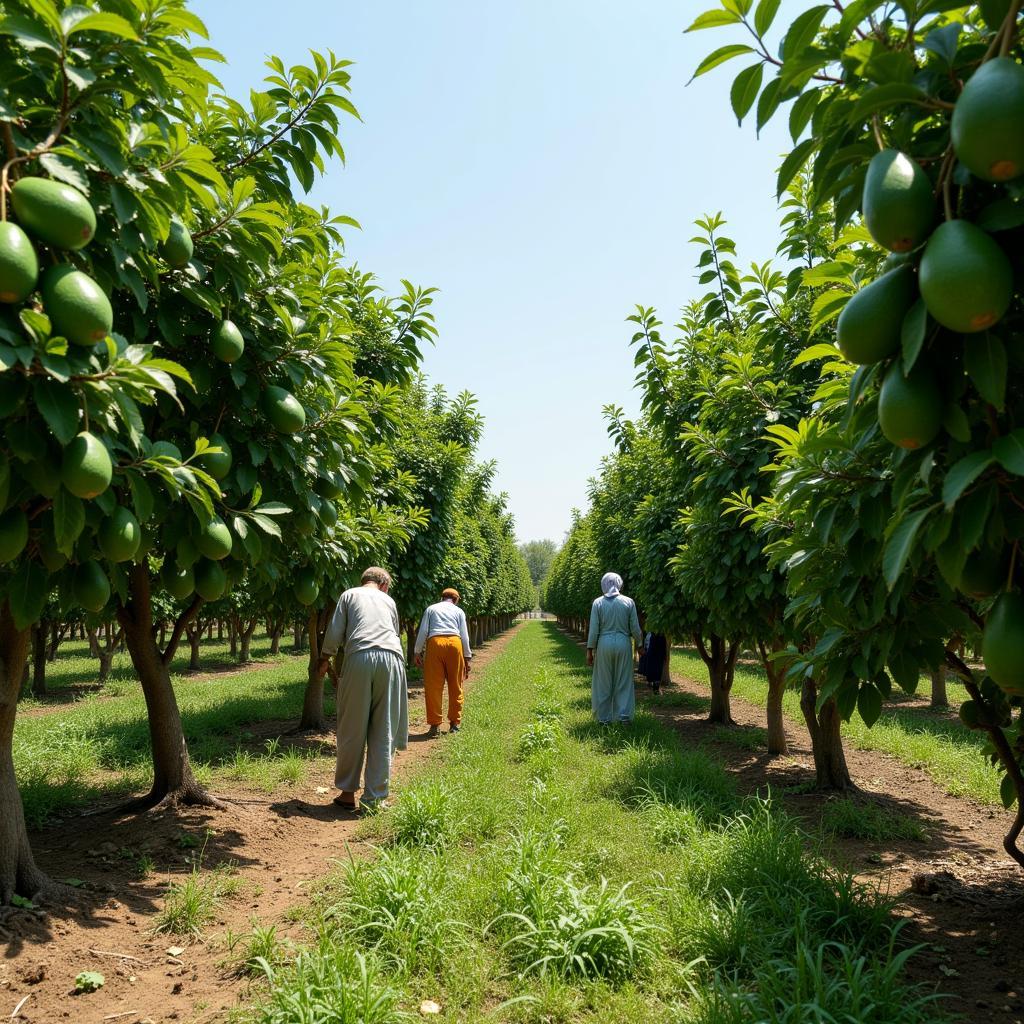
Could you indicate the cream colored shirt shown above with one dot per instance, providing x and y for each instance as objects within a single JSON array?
[
  {"x": 365, "y": 618},
  {"x": 445, "y": 618}
]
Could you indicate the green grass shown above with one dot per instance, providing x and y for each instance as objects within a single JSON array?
[
  {"x": 907, "y": 730},
  {"x": 601, "y": 874},
  {"x": 190, "y": 905},
  {"x": 98, "y": 745},
  {"x": 858, "y": 819}
]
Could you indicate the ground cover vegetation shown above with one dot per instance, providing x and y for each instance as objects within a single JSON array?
[
  {"x": 209, "y": 415},
  {"x": 827, "y": 469},
  {"x": 601, "y": 874}
]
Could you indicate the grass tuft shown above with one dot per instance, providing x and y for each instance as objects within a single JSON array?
[
  {"x": 855, "y": 819},
  {"x": 191, "y": 905}
]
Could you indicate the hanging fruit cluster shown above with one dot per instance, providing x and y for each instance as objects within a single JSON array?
[{"x": 950, "y": 284}]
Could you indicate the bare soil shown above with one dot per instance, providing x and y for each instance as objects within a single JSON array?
[{"x": 279, "y": 844}]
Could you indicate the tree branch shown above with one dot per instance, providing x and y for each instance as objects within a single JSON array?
[{"x": 179, "y": 628}]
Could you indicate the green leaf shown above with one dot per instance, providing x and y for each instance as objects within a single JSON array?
[
  {"x": 28, "y": 33},
  {"x": 884, "y": 96},
  {"x": 714, "y": 19},
  {"x": 59, "y": 407},
  {"x": 142, "y": 496},
  {"x": 27, "y": 593},
  {"x": 803, "y": 31},
  {"x": 792, "y": 164},
  {"x": 803, "y": 110},
  {"x": 1007, "y": 792},
  {"x": 915, "y": 327},
  {"x": 720, "y": 56},
  {"x": 764, "y": 16},
  {"x": 113, "y": 24},
  {"x": 869, "y": 704},
  {"x": 904, "y": 669},
  {"x": 745, "y": 89},
  {"x": 768, "y": 103},
  {"x": 827, "y": 307},
  {"x": 1009, "y": 450},
  {"x": 267, "y": 525},
  {"x": 900, "y": 544},
  {"x": 68, "y": 520},
  {"x": 954, "y": 422},
  {"x": 985, "y": 362},
  {"x": 820, "y": 351},
  {"x": 962, "y": 474}
]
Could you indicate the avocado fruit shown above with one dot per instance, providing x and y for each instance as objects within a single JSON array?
[
  {"x": 19, "y": 266},
  {"x": 984, "y": 573},
  {"x": 77, "y": 306},
  {"x": 86, "y": 469},
  {"x": 210, "y": 580},
  {"x": 283, "y": 410},
  {"x": 910, "y": 408},
  {"x": 217, "y": 464},
  {"x": 966, "y": 279},
  {"x": 1002, "y": 643},
  {"x": 228, "y": 343},
  {"x": 988, "y": 121},
  {"x": 56, "y": 213},
  {"x": 177, "y": 248},
  {"x": 90, "y": 586},
  {"x": 899, "y": 205},
  {"x": 871, "y": 323},
  {"x": 306, "y": 588},
  {"x": 214, "y": 539},
  {"x": 120, "y": 535},
  {"x": 179, "y": 583}
]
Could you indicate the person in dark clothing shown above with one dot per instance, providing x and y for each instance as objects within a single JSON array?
[{"x": 654, "y": 659}]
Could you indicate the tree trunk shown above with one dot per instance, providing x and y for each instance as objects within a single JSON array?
[
  {"x": 195, "y": 635},
  {"x": 233, "y": 637},
  {"x": 275, "y": 638},
  {"x": 720, "y": 658},
  {"x": 19, "y": 875},
  {"x": 245, "y": 643},
  {"x": 776, "y": 672},
  {"x": 826, "y": 740},
  {"x": 313, "y": 700},
  {"x": 666, "y": 665},
  {"x": 173, "y": 780},
  {"x": 39, "y": 634},
  {"x": 56, "y": 635},
  {"x": 299, "y": 637},
  {"x": 939, "y": 697}
]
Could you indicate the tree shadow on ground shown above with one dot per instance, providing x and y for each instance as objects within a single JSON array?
[{"x": 132, "y": 857}]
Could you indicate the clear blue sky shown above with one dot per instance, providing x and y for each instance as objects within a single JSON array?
[{"x": 541, "y": 163}]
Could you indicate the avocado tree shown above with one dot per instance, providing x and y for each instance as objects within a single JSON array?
[{"x": 911, "y": 115}]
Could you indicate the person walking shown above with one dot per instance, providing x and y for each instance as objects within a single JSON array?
[
  {"x": 443, "y": 652},
  {"x": 373, "y": 698},
  {"x": 613, "y": 628}
]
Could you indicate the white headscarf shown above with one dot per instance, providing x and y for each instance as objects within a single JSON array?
[{"x": 611, "y": 584}]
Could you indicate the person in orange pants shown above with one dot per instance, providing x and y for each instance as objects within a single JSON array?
[{"x": 443, "y": 651}]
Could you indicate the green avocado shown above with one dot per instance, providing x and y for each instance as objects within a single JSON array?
[
  {"x": 77, "y": 306},
  {"x": 120, "y": 536},
  {"x": 988, "y": 121},
  {"x": 86, "y": 470},
  {"x": 90, "y": 586},
  {"x": 984, "y": 573},
  {"x": 228, "y": 343},
  {"x": 210, "y": 580},
  {"x": 1002, "y": 643},
  {"x": 179, "y": 583},
  {"x": 965, "y": 278},
  {"x": 214, "y": 539},
  {"x": 899, "y": 205},
  {"x": 910, "y": 408},
  {"x": 306, "y": 588},
  {"x": 177, "y": 248},
  {"x": 870, "y": 325},
  {"x": 54, "y": 212},
  {"x": 19, "y": 267},
  {"x": 217, "y": 464},
  {"x": 283, "y": 410}
]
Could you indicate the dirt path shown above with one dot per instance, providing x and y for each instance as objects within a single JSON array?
[
  {"x": 281, "y": 844},
  {"x": 957, "y": 888}
]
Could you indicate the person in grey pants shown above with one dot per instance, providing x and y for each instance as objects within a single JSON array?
[
  {"x": 614, "y": 626},
  {"x": 373, "y": 699}
]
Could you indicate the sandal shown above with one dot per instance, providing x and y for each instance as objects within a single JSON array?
[{"x": 346, "y": 805}]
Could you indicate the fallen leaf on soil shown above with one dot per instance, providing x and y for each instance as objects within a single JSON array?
[
  {"x": 429, "y": 1006},
  {"x": 175, "y": 950}
]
